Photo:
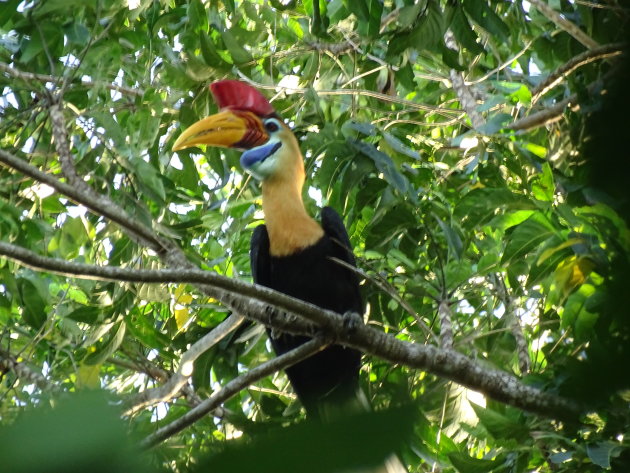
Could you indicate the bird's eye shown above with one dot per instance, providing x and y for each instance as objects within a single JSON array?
[{"x": 271, "y": 126}]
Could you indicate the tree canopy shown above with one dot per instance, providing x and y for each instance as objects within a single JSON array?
[{"x": 476, "y": 152}]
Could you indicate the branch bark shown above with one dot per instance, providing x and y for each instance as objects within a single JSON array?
[
  {"x": 291, "y": 315},
  {"x": 465, "y": 96}
]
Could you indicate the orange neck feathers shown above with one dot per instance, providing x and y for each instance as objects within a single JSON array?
[{"x": 290, "y": 228}]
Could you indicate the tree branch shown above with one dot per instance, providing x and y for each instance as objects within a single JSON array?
[
  {"x": 561, "y": 73},
  {"x": 555, "y": 112},
  {"x": 564, "y": 24},
  {"x": 287, "y": 314},
  {"x": 361, "y": 92},
  {"x": 29, "y": 76},
  {"x": 178, "y": 380},
  {"x": 157, "y": 373},
  {"x": 234, "y": 387},
  {"x": 466, "y": 99},
  {"x": 446, "y": 325},
  {"x": 101, "y": 205},
  {"x": 9, "y": 363}
]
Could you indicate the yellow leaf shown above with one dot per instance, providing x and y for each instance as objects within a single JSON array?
[
  {"x": 572, "y": 273},
  {"x": 181, "y": 317},
  {"x": 550, "y": 251},
  {"x": 180, "y": 297},
  {"x": 88, "y": 376}
]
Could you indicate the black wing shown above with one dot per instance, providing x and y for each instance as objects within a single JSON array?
[
  {"x": 342, "y": 249},
  {"x": 336, "y": 231},
  {"x": 259, "y": 256}
]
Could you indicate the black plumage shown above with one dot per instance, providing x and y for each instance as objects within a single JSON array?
[{"x": 330, "y": 376}]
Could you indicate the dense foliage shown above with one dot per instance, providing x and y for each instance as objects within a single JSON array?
[{"x": 413, "y": 120}]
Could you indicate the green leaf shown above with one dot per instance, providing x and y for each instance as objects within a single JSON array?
[
  {"x": 33, "y": 304},
  {"x": 466, "y": 464},
  {"x": 385, "y": 165},
  {"x": 453, "y": 240},
  {"x": 376, "y": 12},
  {"x": 353, "y": 443},
  {"x": 359, "y": 8},
  {"x": 428, "y": 35},
  {"x": 495, "y": 123},
  {"x": 479, "y": 206},
  {"x": 463, "y": 32},
  {"x": 543, "y": 186},
  {"x": 150, "y": 179},
  {"x": 526, "y": 237},
  {"x": 451, "y": 58},
  {"x": 599, "y": 453},
  {"x": 197, "y": 16},
  {"x": 209, "y": 52},
  {"x": 499, "y": 425},
  {"x": 82, "y": 433},
  {"x": 87, "y": 314},
  {"x": 107, "y": 348},
  {"x": 239, "y": 54},
  {"x": 485, "y": 17},
  {"x": 77, "y": 33},
  {"x": 400, "y": 147}
]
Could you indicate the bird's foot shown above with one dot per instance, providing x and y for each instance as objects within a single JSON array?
[{"x": 351, "y": 322}]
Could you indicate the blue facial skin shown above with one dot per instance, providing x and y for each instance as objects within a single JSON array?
[{"x": 257, "y": 155}]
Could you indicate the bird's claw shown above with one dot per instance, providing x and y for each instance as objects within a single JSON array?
[{"x": 351, "y": 322}]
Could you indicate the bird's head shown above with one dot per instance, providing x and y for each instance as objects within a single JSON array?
[{"x": 246, "y": 121}]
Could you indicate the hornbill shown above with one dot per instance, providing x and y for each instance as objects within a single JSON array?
[{"x": 292, "y": 253}]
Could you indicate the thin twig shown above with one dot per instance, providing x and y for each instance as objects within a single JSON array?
[
  {"x": 361, "y": 92},
  {"x": 561, "y": 73},
  {"x": 29, "y": 76},
  {"x": 446, "y": 325},
  {"x": 232, "y": 388},
  {"x": 502, "y": 66},
  {"x": 390, "y": 292}
]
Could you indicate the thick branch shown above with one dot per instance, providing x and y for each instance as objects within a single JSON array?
[
  {"x": 287, "y": 314},
  {"x": 29, "y": 76},
  {"x": 234, "y": 387},
  {"x": 176, "y": 382},
  {"x": 565, "y": 24}
]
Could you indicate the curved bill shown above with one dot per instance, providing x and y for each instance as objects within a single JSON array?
[{"x": 226, "y": 129}]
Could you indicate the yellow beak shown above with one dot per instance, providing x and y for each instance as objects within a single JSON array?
[{"x": 226, "y": 129}]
